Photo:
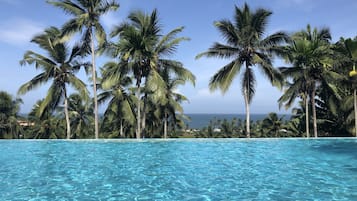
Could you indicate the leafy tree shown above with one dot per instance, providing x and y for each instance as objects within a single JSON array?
[
  {"x": 347, "y": 49},
  {"x": 247, "y": 46},
  {"x": 59, "y": 66},
  {"x": 86, "y": 15},
  {"x": 9, "y": 108}
]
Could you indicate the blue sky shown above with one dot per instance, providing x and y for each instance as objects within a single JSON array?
[{"x": 20, "y": 20}]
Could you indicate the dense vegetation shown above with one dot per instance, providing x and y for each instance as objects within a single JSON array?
[{"x": 138, "y": 85}]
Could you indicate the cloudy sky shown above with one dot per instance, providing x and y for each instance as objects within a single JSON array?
[{"x": 20, "y": 20}]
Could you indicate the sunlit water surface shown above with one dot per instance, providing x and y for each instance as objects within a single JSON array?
[{"x": 209, "y": 169}]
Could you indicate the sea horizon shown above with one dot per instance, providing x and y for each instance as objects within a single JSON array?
[{"x": 200, "y": 120}]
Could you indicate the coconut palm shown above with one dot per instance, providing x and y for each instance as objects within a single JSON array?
[
  {"x": 170, "y": 104},
  {"x": 315, "y": 61},
  {"x": 121, "y": 100},
  {"x": 86, "y": 15},
  {"x": 59, "y": 66},
  {"x": 143, "y": 47},
  {"x": 297, "y": 53},
  {"x": 272, "y": 124},
  {"x": 247, "y": 46},
  {"x": 47, "y": 125},
  {"x": 80, "y": 112}
]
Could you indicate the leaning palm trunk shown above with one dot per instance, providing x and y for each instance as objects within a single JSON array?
[
  {"x": 307, "y": 115},
  {"x": 67, "y": 115},
  {"x": 247, "y": 109},
  {"x": 314, "y": 111},
  {"x": 355, "y": 107},
  {"x": 138, "y": 117},
  {"x": 94, "y": 77}
]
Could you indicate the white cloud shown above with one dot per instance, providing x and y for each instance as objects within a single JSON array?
[{"x": 19, "y": 31}]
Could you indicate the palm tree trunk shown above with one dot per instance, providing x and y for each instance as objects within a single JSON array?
[
  {"x": 138, "y": 115},
  {"x": 67, "y": 115},
  {"x": 165, "y": 126},
  {"x": 121, "y": 129},
  {"x": 94, "y": 77},
  {"x": 247, "y": 109},
  {"x": 314, "y": 111},
  {"x": 355, "y": 107},
  {"x": 143, "y": 121},
  {"x": 246, "y": 100},
  {"x": 307, "y": 116}
]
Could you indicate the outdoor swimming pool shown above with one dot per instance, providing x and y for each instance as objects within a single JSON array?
[{"x": 207, "y": 169}]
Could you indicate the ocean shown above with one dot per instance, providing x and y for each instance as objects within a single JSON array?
[{"x": 199, "y": 121}]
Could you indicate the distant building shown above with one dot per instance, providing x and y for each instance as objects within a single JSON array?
[
  {"x": 25, "y": 123},
  {"x": 217, "y": 130}
]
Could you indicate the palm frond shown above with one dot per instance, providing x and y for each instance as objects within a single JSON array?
[
  {"x": 68, "y": 6},
  {"x": 224, "y": 77},
  {"x": 220, "y": 51},
  {"x": 228, "y": 31},
  {"x": 248, "y": 84}
]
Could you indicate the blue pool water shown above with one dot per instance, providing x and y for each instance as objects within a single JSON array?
[{"x": 222, "y": 169}]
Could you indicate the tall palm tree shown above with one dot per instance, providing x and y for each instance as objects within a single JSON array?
[
  {"x": 86, "y": 15},
  {"x": 312, "y": 54},
  {"x": 246, "y": 45},
  {"x": 143, "y": 47},
  {"x": 297, "y": 53},
  {"x": 60, "y": 67}
]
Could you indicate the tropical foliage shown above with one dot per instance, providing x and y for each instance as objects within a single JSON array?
[
  {"x": 139, "y": 87},
  {"x": 9, "y": 108}
]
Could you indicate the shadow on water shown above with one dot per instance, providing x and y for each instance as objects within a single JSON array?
[{"x": 346, "y": 147}]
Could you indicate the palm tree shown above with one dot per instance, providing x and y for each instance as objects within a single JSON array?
[
  {"x": 86, "y": 14},
  {"x": 296, "y": 53},
  {"x": 171, "y": 101},
  {"x": 80, "y": 114},
  {"x": 59, "y": 66},
  {"x": 311, "y": 56},
  {"x": 116, "y": 83},
  {"x": 246, "y": 46},
  {"x": 46, "y": 125},
  {"x": 143, "y": 47},
  {"x": 272, "y": 124}
]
